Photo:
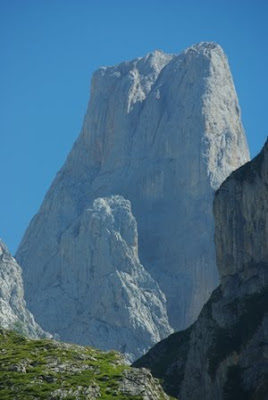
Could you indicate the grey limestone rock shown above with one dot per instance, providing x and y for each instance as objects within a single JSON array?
[
  {"x": 241, "y": 203},
  {"x": 163, "y": 131},
  {"x": 105, "y": 298},
  {"x": 13, "y": 312},
  {"x": 140, "y": 382},
  {"x": 224, "y": 354}
]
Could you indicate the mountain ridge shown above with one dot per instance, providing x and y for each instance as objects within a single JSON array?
[
  {"x": 163, "y": 132},
  {"x": 223, "y": 355}
]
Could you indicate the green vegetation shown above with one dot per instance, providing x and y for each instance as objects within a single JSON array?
[
  {"x": 19, "y": 327},
  {"x": 45, "y": 369}
]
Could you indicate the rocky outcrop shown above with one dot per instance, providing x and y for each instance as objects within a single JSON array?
[
  {"x": 45, "y": 369},
  {"x": 163, "y": 131},
  {"x": 224, "y": 355},
  {"x": 13, "y": 311},
  {"x": 105, "y": 298}
]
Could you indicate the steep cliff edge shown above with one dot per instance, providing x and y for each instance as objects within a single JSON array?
[
  {"x": 105, "y": 298},
  {"x": 224, "y": 354},
  {"x": 163, "y": 131},
  {"x": 13, "y": 311}
]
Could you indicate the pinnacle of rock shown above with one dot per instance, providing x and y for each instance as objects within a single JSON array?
[{"x": 163, "y": 131}]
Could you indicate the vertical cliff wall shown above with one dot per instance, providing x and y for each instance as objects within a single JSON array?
[
  {"x": 105, "y": 298},
  {"x": 163, "y": 131},
  {"x": 223, "y": 355}
]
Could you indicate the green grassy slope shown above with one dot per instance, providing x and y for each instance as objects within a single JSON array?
[{"x": 45, "y": 369}]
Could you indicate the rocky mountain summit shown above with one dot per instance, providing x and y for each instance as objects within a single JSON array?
[
  {"x": 13, "y": 311},
  {"x": 163, "y": 131},
  {"x": 224, "y": 354}
]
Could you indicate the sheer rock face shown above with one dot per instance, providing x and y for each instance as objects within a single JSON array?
[
  {"x": 13, "y": 312},
  {"x": 111, "y": 300},
  {"x": 163, "y": 131},
  {"x": 224, "y": 354},
  {"x": 241, "y": 204}
]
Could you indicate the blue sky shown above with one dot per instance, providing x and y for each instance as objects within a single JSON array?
[{"x": 49, "y": 49}]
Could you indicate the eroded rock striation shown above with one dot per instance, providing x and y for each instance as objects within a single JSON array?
[
  {"x": 163, "y": 131},
  {"x": 105, "y": 298},
  {"x": 13, "y": 311},
  {"x": 224, "y": 354}
]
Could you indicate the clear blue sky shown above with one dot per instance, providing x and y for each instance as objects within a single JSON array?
[{"x": 49, "y": 49}]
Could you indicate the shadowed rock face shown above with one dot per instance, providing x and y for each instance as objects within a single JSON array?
[
  {"x": 163, "y": 131},
  {"x": 240, "y": 210},
  {"x": 13, "y": 312},
  {"x": 223, "y": 355}
]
